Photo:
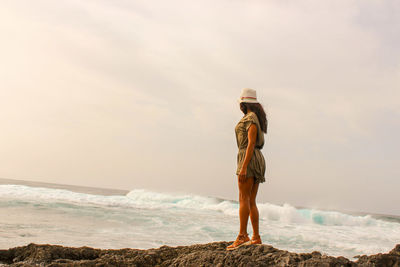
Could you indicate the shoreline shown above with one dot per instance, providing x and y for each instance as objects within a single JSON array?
[{"x": 210, "y": 254}]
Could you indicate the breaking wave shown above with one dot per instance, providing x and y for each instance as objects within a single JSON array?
[{"x": 141, "y": 198}]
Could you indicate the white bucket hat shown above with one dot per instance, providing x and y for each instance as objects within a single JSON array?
[{"x": 248, "y": 95}]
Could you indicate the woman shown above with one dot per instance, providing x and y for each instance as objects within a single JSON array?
[{"x": 250, "y": 164}]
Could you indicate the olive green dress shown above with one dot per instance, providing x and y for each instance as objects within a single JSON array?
[{"x": 256, "y": 167}]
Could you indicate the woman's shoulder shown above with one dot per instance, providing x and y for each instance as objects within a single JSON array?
[
  {"x": 249, "y": 119},
  {"x": 250, "y": 116}
]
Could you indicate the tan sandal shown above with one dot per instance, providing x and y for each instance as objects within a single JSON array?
[
  {"x": 241, "y": 240},
  {"x": 255, "y": 240}
]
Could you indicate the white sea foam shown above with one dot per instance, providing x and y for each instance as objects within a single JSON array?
[
  {"x": 150, "y": 200},
  {"x": 145, "y": 219}
]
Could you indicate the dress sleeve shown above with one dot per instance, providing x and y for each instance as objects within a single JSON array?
[{"x": 248, "y": 121}]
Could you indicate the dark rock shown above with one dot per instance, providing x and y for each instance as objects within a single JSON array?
[
  {"x": 212, "y": 254},
  {"x": 396, "y": 250}
]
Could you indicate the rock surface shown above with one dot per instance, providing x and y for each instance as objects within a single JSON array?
[{"x": 212, "y": 254}]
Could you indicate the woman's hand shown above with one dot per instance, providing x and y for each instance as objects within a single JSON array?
[{"x": 242, "y": 175}]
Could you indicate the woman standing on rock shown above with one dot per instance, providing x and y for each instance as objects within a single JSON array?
[{"x": 250, "y": 164}]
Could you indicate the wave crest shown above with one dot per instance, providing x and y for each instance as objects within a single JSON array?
[{"x": 141, "y": 198}]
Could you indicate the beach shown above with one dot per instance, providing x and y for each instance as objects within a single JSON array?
[
  {"x": 77, "y": 216},
  {"x": 145, "y": 133}
]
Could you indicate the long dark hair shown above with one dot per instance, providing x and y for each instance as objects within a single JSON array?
[{"x": 259, "y": 111}]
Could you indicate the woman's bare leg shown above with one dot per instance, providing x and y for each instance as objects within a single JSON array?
[
  {"x": 244, "y": 203},
  {"x": 254, "y": 217}
]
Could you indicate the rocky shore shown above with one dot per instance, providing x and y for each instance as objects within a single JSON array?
[{"x": 212, "y": 254}]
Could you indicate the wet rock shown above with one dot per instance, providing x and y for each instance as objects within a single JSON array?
[{"x": 212, "y": 254}]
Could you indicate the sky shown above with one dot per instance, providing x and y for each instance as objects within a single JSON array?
[{"x": 142, "y": 94}]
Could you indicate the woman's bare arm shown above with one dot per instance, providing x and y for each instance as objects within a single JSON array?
[{"x": 251, "y": 135}]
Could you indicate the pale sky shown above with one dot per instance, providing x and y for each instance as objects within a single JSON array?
[{"x": 142, "y": 94}]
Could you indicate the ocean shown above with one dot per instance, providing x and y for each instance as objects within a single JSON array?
[{"x": 139, "y": 218}]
